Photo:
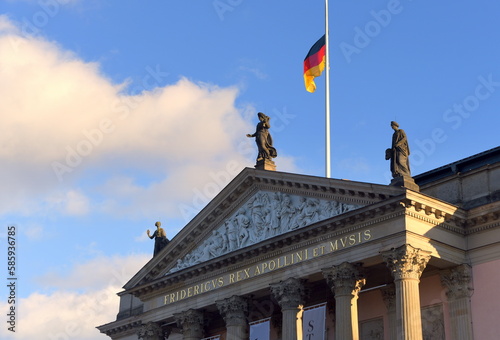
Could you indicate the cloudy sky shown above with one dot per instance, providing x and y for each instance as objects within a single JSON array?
[{"x": 115, "y": 114}]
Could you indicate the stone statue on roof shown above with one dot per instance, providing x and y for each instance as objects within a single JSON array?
[
  {"x": 264, "y": 141},
  {"x": 160, "y": 237}
]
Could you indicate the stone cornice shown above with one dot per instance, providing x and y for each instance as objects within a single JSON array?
[
  {"x": 122, "y": 327},
  {"x": 483, "y": 218}
]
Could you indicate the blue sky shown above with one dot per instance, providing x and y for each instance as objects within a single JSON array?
[{"x": 116, "y": 114}]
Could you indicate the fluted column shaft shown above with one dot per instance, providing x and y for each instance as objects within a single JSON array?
[
  {"x": 234, "y": 310},
  {"x": 345, "y": 281},
  {"x": 389, "y": 297},
  {"x": 191, "y": 322},
  {"x": 407, "y": 264},
  {"x": 457, "y": 282},
  {"x": 290, "y": 295}
]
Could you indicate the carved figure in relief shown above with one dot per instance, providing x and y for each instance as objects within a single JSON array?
[
  {"x": 232, "y": 235},
  {"x": 216, "y": 245},
  {"x": 300, "y": 214},
  {"x": 272, "y": 217},
  {"x": 286, "y": 212},
  {"x": 243, "y": 223},
  {"x": 311, "y": 212}
]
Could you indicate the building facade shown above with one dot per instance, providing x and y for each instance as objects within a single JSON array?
[{"x": 285, "y": 256}]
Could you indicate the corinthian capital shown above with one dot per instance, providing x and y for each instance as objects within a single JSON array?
[
  {"x": 150, "y": 331},
  {"x": 191, "y": 322},
  {"x": 345, "y": 279},
  {"x": 234, "y": 310},
  {"x": 406, "y": 262},
  {"x": 457, "y": 281},
  {"x": 289, "y": 293}
]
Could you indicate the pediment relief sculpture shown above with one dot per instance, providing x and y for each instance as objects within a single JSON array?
[{"x": 265, "y": 215}]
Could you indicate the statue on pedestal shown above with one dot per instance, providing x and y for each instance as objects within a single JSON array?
[
  {"x": 399, "y": 154},
  {"x": 160, "y": 237},
  {"x": 264, "y": 142}
]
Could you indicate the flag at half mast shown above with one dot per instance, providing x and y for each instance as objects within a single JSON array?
[{"x": 314, "y": 64}]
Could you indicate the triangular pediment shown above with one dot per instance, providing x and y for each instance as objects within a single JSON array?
[
  {"x": 264, "y": 215},
  {"x": 256, "y": 206}
]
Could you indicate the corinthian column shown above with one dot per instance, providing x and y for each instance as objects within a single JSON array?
[
  {"x": 234, "y": 310},
  {"x": 406, "y": 264},
  {"x": 150, "y": 331},
  {"x": 345, "y": 281},
  {"x": 191, "y": 323},
  {"x": 457, "y": 282},
  {"x": 290, "y": 295}
]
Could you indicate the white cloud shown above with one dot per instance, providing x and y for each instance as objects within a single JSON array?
[
  {"x": 72, "y": 202},
  {"x": 63, "y": 315},
  {"x": 93, "y": 275},
  {"x": 64, "y": 122},
  {"x": 84, "y": 298}
]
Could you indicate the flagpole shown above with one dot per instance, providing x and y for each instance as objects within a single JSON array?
[{"x": 327, "y": 97}]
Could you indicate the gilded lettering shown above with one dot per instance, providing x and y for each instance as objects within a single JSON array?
[
  {"x": 367, "y": 235},
  {"x": 257, "y": 270},
  {"x": 220, "y": 281},
  {"x": 315, "y": 252},
  {"x": 352, "y": 239},
  {"x": 343, "y": 241},
  {"x": 299, "y": 256},
  {"x": 207, "y": 286},
  {"x": 334, "y": 246},
  {"x": 196, "y": 290},
  {"x": 247, "y": 273},
  {"x": 190, "y": 292},
  {"x": 273, "y": 265},
  {"x": 264, "y": 266},
  {"x": 165, "y": 300},
  {"x": 286, "y": 262},
  {"x": 279, "y": 263},
  {"x": 231, "y": 278},
  {"x": 183, "y": 294}
]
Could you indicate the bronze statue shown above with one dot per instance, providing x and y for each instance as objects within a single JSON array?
[
  {"x": 263, "y": 138},
  {"x": 160, "y": 237},
  {"x": 399, "y": 153}
]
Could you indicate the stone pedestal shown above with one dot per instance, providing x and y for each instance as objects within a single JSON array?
[
  {"x": 406, "y": 182},
  {"x": 457, "y": 282},
  {"x": 191, "y": 322},
  {"x": 290, "y": 295},
  {"x": 234, "y": 310},
  {"x": 406, "y": 264},
  {"x": 389, "y": 297},
  {"x": 265, "y": 164},
  {"x": 345, "y": 281},
  {"x": 150, "y": 331}
]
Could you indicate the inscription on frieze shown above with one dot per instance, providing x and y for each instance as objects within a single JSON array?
[{"x": 264, "y": 267}]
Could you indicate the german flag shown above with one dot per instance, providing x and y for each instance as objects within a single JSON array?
[{"x": 314, "y": 64}]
